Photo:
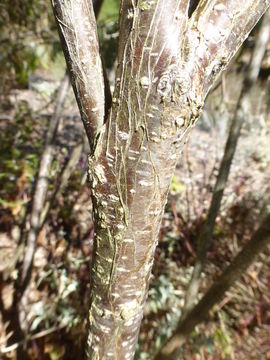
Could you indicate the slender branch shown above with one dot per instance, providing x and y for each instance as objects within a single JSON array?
[
  {"x": 234, "y": 271},
  {"x": 43, "y": 333},
  {"x": 64, "y": 177},
  {"x": 78, "y": 33},
  {"x": 224, "y": 170},
  {"x": 41, "y": 187}
]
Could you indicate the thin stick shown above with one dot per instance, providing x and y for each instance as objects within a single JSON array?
[
  {"x": 7, "y": 349},
  {"x": 42, "y": 186}
]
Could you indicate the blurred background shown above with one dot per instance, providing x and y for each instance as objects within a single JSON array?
[{"x": 44, "y": 316}]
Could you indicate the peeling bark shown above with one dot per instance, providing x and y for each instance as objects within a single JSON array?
[{"x": 167, "y": 64}]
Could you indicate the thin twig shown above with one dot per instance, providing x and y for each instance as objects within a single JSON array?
[
  {"x": 42, "y": 186},
  {"x": 7, "y": 349},
  {"x": 64, "y": 176}
]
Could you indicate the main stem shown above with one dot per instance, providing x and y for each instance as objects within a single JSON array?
[{"x": 130, "y": 172}]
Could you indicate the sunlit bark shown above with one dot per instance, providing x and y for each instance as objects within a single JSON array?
[
  {"x": 77, "y": 28},
  {"x": 167, "y": 63}
]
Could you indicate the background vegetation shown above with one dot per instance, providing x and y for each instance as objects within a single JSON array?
[{"x": 54, "y": 315}]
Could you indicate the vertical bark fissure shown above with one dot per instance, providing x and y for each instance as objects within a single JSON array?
[{"x": 192, "y": 6}]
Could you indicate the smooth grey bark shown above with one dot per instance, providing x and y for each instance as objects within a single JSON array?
[
  {"x": 167, "y": 63},
  {"x": 206, "y": 233},
  {"x": 240, "y": 264}
]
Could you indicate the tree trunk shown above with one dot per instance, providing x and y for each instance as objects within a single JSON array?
[
  {"x": 239, "y": 265},
  {"x": 206, "y": 234},
  {"x": 167, "y": 63}
]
